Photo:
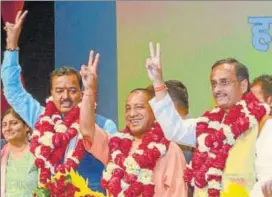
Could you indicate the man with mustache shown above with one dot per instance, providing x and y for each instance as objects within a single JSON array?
[
  {"x": 139, "y": 160},
  {"x": 219, "y": 135},
  {"x": 262, "y": 89},
  {"x": 66, "y": 94}
]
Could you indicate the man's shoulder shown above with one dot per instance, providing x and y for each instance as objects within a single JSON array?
[
  {"x": 265, "y": 124},
  {"x": 174, "y": 150},
  {"x": 106, "y": 123},
  {"x": 101, "y": 120}
]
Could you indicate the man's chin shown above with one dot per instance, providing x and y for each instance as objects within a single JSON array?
[
  {"x": 65, "y": 110},
  {"x": 222, "y": 105}
]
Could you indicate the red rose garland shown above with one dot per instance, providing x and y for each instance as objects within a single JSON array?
[
  {"x": 50, "y": 138},
  {"x": 215, "y": 138},
  {"x": 131, "y": 176}
]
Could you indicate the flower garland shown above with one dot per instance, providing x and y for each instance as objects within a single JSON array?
[
  {"x": 216, "y": 134},
  {"x": 131, "y": 175},
  {"x": 50, "y": 138}
]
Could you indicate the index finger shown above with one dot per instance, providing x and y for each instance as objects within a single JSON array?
[
  {"x": 91, "y": 58},
  {"x": 22, "y": 18},
  {"x": 151, "y": 49},
  {"x": 18, "y": 15}
]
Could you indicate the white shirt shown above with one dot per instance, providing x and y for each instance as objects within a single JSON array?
[
  {"x": 263, "y": 162},
  {"x": 184, "y": 132}
]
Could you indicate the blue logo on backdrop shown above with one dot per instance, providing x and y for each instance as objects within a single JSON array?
[{"x": 261, "y": 39}]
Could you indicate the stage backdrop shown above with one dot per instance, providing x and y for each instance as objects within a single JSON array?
[{"x": 193, "y": 35}]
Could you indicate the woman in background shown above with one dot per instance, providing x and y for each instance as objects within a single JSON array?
[{"x": 19, "y": 176}]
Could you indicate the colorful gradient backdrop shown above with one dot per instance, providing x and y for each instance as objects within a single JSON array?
[{"x": 193, "y": 35}]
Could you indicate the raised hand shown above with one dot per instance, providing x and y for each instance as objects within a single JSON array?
[
  {"x": 153, "y": 65},
  {"x": 14, "y": 30},
  {"x": 267, "y": 189},
  {"x": 89, "y": 73}
]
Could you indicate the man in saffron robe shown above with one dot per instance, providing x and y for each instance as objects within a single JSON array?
[{"x": 139, "y": 160}]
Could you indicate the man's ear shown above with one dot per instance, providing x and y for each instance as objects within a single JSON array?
[
  {"x": 269, "y": 101},
  {"x": 244, "y": 85}
]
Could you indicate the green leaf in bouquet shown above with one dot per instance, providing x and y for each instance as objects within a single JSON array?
[{"x": 41, "y": 192}]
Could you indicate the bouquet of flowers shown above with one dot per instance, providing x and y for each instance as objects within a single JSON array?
[{"x": 69, "y": 184}]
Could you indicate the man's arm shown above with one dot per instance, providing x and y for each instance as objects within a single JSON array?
[
  {"x": 174, "y": 127},
  {"x": 95, "y": 139},
  {"x": 21, "y": 101}
]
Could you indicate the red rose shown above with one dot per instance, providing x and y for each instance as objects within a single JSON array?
[
  {"x": 60, "y": 183},
  {"x": 243, "y": 124},
  {"x": 56, "y": 139},
  {"x": 140, "y": 160},
  {"x": 201, "y": 128},
  {"x": 188, "y": 175},
  {"x": 151, "y": 156},
  {"x": 46, "y": 126},
  {"x": 235, "y": 130},
  {"x": 165, "y": 142},
  {"x": 209, "y": 140},
  {"x": 215, "y": 116},
  {"x": 46, "y": 151},
  {"x": 155, "y": 137},
  {"x": 35, "y": 139},
  {"x": 148, "y": 190},
  {"x": 119, "y": 160},
  {"x": 214, "y": 177},
  {"x": 226, "y": 148},
  {"x": 126, "y": 146},
  {"x": 220, "y": 161},
  {"x": 198, "y": 159},
  {"x": 104, "y": 183},
  {"x": 33, "y": 147},
  {"x": 79, "y": 151},
  {"x": 118, "y": 173},
  {"x": 213, "y": 193},
  {"x": 72, "y": 132},
  {"x": 60, "y": 168},
  {"x": 258, "y": 111},
  {"x": 136, "y": 188},
  {"x": 57, "y": 155},
  {"x": 130, "y": 178},
  {"x": 44, "y": 175},
  {"x": 145, "y": 141},
  {"x": 200, "y": 179},
  {"x": 114, "y": 186},
  {"x": 50, "y": 108},
  {"x": 70, "y": 164},
  {"x": 39, "y": 163},
  {"x": 114, "y": 144},
  {"x": 116, "y": 140}
]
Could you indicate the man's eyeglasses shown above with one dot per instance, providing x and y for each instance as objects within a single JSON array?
[{"x": 222, "y": 83}]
